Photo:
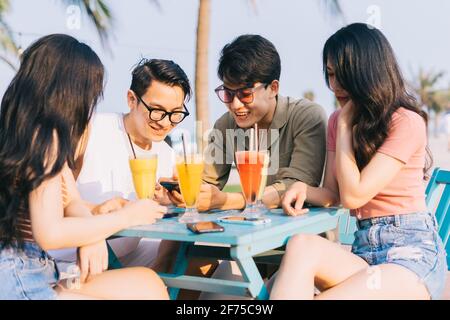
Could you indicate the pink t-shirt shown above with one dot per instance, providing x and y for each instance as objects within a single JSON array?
[{"x": 406, "y": 141}]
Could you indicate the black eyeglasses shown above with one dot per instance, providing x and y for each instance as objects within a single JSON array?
[
  {"x": 245, "y": 95},
  {"x": 175, "y": 117}
]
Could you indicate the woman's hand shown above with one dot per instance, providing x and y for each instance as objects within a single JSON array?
[
  {"x": 346, "y": 114},
  {"x": 294, "y": 199},
  {"x": 109, "y": 206},
  {"x": 144, "y": 211},
  {"x": 92, "y": 259}
]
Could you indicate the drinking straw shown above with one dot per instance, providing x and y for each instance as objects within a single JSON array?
[
  {"x": 251, "y": 147},
  {"x": 132, "y": 148},
  {"x": 183, "y": 138}
]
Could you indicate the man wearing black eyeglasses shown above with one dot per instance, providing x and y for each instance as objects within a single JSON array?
[
  {"x": 295, "y": 129},
  {"x": 156, "y": 102}
]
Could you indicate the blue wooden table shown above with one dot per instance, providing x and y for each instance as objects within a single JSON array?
[{"x": 240, "y": 243}]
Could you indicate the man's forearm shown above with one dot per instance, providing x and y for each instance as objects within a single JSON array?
[
  {"x": 271, "y": 198},
  {"x": 233, "y": 200}
]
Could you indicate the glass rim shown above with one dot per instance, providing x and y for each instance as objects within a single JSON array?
[
  {"x": 197, "y": 157},
  {"x": 143, "y": 157},
  {"x": 240, "y": 156}
]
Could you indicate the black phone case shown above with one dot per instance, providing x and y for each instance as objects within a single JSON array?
[{"x": 170, "y": 186}]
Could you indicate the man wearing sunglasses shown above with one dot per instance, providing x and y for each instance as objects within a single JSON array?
[
  {"x": 250, "y": 70},
  {"x": 156, "y": 102}
]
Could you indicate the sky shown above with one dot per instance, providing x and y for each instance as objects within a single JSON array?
[{"x": 417, "y": 29}]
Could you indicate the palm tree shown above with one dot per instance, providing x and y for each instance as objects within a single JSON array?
[
  {"x": 97, "y": 11},
  {"x": 7, "y": 43},
  {"x": 429, "y": 96},
  {"x": 440, "y": 103},
  {"x": 201, "y": 71}
]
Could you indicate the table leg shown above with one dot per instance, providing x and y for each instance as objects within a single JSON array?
[
  {"x": 181, "y": 264},
  {"x": 257, "y": 289}
]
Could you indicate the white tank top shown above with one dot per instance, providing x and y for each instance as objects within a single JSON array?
[{"x": 106, "y": 172}]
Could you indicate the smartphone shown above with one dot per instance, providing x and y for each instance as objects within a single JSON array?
[
  {"x": 170, "y": 186},
  {"x": 245, "y": 220},
  {"x": 171, "y": 215},
  {"x": 205, "y": 227},
  {"x": 173, "y": 211}
]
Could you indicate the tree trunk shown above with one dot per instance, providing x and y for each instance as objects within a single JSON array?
[{"x": 201, "y": 71}]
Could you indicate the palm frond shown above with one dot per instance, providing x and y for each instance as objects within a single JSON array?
[
  {"x": 333, "y": 8},
  {"x": 157, "y": 4},
  {"x": 7, "y": 42},
  {"x": 8, "y": 62},
  {"x": 99, "y": 13}
]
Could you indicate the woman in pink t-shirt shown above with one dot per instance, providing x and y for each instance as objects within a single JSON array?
[{"x": 375, "y": 167}]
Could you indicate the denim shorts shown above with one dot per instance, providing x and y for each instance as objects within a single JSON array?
[
  {"x": 28, "y": 274},
  {"x": 409, "y": 240}
]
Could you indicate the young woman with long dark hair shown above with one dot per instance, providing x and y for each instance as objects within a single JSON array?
[
  {"x": 43, "y": 115},
  {"x": 377, "y": 150}
]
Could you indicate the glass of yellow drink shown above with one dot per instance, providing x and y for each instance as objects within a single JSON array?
[
  {"x": 190, "y": 170},
  {"x": 143, "y": 171}
]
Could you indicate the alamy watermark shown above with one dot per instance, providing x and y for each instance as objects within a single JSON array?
[
  {"x": 374, "y": 19},
  {"x": 73, "y": 21}
]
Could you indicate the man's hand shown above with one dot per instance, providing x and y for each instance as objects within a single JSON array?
[
  {"x": 92, "y": 259},
  {"x": 173, "y": 196},
  {"x": 162, "y": 195},
  {"x": 109, "y": 206},
  {"x": 294, "y": 199},
  {"x": 210, "y": 197}
]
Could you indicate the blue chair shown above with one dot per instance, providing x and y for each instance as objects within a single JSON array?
[
  {"x": 440, "y": 178},
  {"x": 113, "y": 261},
  {"x": 347, "y": 223},
  {"x": 347, "y": 228}
]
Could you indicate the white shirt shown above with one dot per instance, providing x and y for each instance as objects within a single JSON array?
[{"x": 106, "y": 170}]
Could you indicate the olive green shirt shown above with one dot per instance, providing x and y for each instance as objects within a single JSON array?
[{"x": 296, "y": 141}]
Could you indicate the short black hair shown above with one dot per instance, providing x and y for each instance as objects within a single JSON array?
[
  {"x": 165, "y": 71},
  {"x": 249, "y": 59}
]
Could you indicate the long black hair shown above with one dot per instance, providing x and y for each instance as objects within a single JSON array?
[
  {"x": 366, "y": 68},
  {"x": 44, "y": 112}
]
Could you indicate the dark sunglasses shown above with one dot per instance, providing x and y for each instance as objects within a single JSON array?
[{"x": 245, "y": 95}]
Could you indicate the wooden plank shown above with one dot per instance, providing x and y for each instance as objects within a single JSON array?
[{"x": 237, "y": 288}]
